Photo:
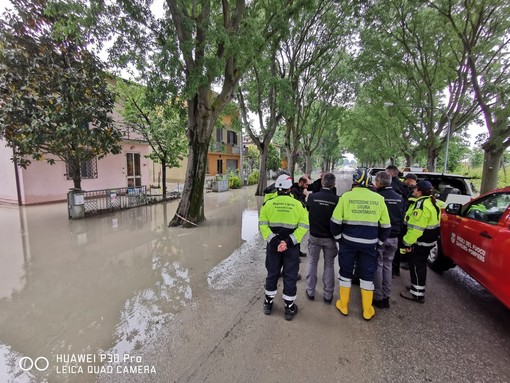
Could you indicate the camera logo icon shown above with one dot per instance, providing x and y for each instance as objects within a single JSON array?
[{"x": 40, "y": 364}]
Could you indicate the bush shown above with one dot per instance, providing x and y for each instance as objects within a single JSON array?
[
  {"x": 234, "y": 182},
  {"x": 253, "y": 178}
]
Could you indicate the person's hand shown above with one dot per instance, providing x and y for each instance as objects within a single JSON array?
[{"x": 282, "y": 247}]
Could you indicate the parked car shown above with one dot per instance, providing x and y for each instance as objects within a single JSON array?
[
  {"x": 476, "y": 237},
  {"x": 374, "y": 171},
  {"x": 450, "y": 188}
]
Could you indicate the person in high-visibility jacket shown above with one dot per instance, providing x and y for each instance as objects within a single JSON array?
[
  {"x": 359, "y": 222},
  {"x": 422, "y": 221},
  {"x": 283, "y": 222}
]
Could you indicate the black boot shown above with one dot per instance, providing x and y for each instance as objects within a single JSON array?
[
  {"x": 378, "y": 303},
  {"x": 291, "y": 310},
  {"x": 268, "y": 305}
]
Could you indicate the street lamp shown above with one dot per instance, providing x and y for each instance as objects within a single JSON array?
[{"x": 447, "y": 130}]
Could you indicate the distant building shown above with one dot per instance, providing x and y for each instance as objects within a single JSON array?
[{"x": 224, "y": 155}]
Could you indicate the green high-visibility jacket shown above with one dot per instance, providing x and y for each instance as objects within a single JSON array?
[
  {"x": 422, "y": 220},
  {"x": 361, "y": 217},
  {"x": 283, "y": 218}
]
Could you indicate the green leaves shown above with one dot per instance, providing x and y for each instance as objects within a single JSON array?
[{"x": 54, "y": 92}]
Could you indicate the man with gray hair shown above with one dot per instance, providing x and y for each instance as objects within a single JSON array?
[
  {"x": 386, "y": 250},
  {"x": 320, "y": 208}
]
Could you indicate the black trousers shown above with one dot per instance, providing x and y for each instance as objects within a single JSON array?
[
  {"x": 418, "y": 269},
  {"x": 289, "y": 259}
]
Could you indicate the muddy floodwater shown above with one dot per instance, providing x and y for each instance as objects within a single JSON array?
[{"x": 85, "y": 294}]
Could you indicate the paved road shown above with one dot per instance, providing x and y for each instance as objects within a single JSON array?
[{"x": 461, "y": 334}]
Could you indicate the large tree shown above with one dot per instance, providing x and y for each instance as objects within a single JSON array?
[
  {"x": 307, "y": 60},
  {"x": 54, "y": 97},
  {"x": 199, "y": 49},
  {"x": 262, "y": 92},
  {"x": 483, "y": 28},
  {"x": 419, "y": 67}
]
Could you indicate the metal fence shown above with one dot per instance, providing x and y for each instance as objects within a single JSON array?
[
  {"x": 108, "y": 200},
  {"x": 98, "y": 201}
]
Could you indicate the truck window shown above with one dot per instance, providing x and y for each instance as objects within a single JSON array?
[{"x": 488, "y": 209}]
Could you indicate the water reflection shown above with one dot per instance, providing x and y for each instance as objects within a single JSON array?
[
  {"x": 103, "y": 284},
  {"x": 250, "y": 224}
]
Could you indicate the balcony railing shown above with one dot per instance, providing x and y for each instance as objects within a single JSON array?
[{"x": 221, "y": 147}]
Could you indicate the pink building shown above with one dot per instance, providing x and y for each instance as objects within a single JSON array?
[{"x": 42, "y": 183}]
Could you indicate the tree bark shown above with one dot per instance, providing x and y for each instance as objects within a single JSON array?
[
  {"x": 163, "y": 177},
  {"x": 291, "y": 162},
  {"x": 409, "y": 160},
  {"x": 191, "y": 206},
  {"x": 262, "y": 171},
  {"x": 491, "y": 161},
  {"x": 308, "y": 167},
  {"x": 200, "y": 127},
  {"x": 431, "y": 159},
  {"x": 75, "y": 166}
]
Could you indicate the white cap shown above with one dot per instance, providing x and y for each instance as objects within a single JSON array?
[{"x": 283, "y": 182}]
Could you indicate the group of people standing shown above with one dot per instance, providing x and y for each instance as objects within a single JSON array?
[{"x": 366, "y": 227}]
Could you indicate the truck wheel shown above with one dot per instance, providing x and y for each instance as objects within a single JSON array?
[{"x": 438, "y": 261}]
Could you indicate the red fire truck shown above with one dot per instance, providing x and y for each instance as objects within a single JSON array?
[{"x": 476, "y": 237}]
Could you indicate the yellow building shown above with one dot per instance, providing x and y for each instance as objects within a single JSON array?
[{"x": 224, "y": 155}]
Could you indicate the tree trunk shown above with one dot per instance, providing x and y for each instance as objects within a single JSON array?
[
  {"x": 491, "y": 161},
  {"x": 75, "y": 167},
  {"x": 262, "y": 171},
  {"x": 200, "y": 126},
  {"x": 77, "y": 183},
  {"x": 409, "y": 160},
  {"x": 308, "y": 161},
  {"x": 191, "y": 206},
  {"x": 431, "y": 159},
  {"x": 163, "y": 177}
]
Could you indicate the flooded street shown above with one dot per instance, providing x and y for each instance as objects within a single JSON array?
[
  {"x": 122, "y": 298},
  {"x": 103, "y": 285}
]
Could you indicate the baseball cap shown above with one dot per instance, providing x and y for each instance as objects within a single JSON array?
[
  {"x": 411, "y": 176},
  {"x": 424, "y": 185}
]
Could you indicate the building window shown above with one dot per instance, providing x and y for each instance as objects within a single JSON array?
[
  {"x": 219, "y": 134},
  {"x": 88, "y": 170},
  {"x": 134, "y": 172},
  {"x": 231, "y": 137}
]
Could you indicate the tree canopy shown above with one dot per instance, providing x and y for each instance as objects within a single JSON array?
[{"x": 54, "y": 94}]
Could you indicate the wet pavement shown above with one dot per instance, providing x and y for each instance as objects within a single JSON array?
[{"x": 123, "y": 298}]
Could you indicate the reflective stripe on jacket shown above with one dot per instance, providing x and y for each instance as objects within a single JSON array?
[
  {"x": 361, "y": 218},
  {"x": 284, "y": 217},
  {"x": 422, "y": 221}
]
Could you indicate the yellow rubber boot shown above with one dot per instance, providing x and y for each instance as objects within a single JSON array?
[
  {"x": 367, "y": 297},
  {"x": 342, "y": 304}
]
